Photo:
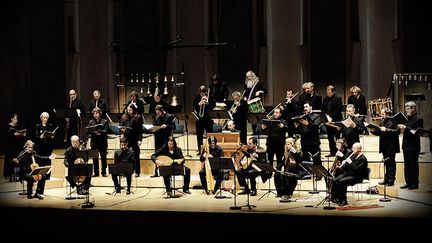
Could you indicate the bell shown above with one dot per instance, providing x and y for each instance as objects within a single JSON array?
[
  {"x": 172, "y": 78},
  {"x": 174, "y": 101},
  {"x": 165, "y": 90}
]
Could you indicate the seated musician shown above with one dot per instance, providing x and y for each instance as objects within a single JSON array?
[
  {"x": 27, "y": 162},
  {"x": 353, "y": 170},
  {"x": 70, "y": 158},
  {"x": 231, "y": 127},
  {"x": 171, "y": 150},
  {"x": 342, "y": 153},
  {"x": 215, "y": 151},
  {"x": 286, "y": 183},
  {"x": 123, "y": 155},
  {"x": 256, "y": 154}
]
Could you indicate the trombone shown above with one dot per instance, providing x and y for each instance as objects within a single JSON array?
[
  {"x": 204, "y": 100},
  {"x": 284, "y": 100}
]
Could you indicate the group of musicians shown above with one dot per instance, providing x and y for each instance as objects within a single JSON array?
[{"x": 298, "y": 119}]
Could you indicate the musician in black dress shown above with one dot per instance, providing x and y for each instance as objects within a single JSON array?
[
  {"x": 203, "y": 103},
  {"x": 44, "y": 141},
  {"x": 131, "y": 123},
  {"x": 123, "y": 155},
  {"x": 74, "y": 110},
  {"x": 239, "y": 113},
  {"x": 286, "y": 183},
  {"x": 14, "y": 142},
  {"x": 388, "y": 133},
  {"x": 358, "y": 100},
  {"x": 166, "y": 122},
  {"x": 98, "y": 102},
  {"x": 99, "y": 140},
  {"x": 353, "y": 170},
  {"x": 215, "y": 151},
  {"x": 252, "y": 154},
  {"x": 411, "y": 146},
  {"x": 27, "y": 162},
  {"x": 71, "y": 157},
  {"x": 332, "y": 106},
  {"x": 171, "y": 150}
]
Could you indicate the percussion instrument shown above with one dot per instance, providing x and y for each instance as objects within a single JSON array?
[
  {"x": 255, "y": 105},
  {"x": 376, "y": 105}
]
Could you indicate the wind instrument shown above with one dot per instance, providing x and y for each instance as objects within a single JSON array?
[
  {"x": 204, "y": 101},
  {"x": 284, "y": 100},
  {"x": 209, "y": 176}
]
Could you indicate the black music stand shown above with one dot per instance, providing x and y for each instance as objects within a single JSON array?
[
  {"x": 265, "y": 167},
  {"x": 173, "y": 170},
  {"x": 185, "y": 117},
  {"x": 321, "y": 171},
  {"x": 82, "y": 170},
  {"x": 121, "y": 169},
  {"x": 220, "y": 165},
  {"x": 385, "y": 198},
  {"x": 254, "y": 119},
  {"x": 235, "y": 207},
  {"x": 219, "y": 114}
]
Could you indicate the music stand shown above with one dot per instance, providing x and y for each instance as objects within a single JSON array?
[
  {"x": 235, "y": 207},
  {"x": 385, "y": 198},
  {"x": 219, "y": 114},
  {"x": 321, "y": 171},
  {"x": 185, "y": 117},
  {"x": 172, "y": 170},
  {"x": 254, "y": 119},
  {"x": 82, "y": 170},
  {"x": 121, "y": 169},
  {"x": 221, "y": 164},
  {"x": 266, "y": 167}
]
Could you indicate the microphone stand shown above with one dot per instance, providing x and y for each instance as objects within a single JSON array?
[
  {"x": 385, "y": 198},
  {"x": 235, "y": 207}
]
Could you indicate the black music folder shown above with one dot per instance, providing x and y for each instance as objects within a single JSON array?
[
  {"x": 271, "y": 123},
  {"x": 302, "y": 117},
  {"x": 18, "y": 131},
  {"x": 94, "y": 128},
  {"x": 421, "y": 132},
  {"x": 399, "y": 118},
  {"x": 121, "y": 169},
  {"x": 42, "y": 170},
  {"x": 371, "y": 126},
  {"x": 50, "y": 134},
  {"x": 345, "y": 123}
]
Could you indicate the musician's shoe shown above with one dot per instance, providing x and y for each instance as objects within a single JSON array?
[
  {"x": 186, "y": 191},
  {"x": 405, "y": 186},
  {"x": 136, "y": 175},
  {"x": 127, "y": 192},
  {"x": 38, "y": 196},
  {"x": 104, "y": 175},
  {"x": 29, "y": 197},
  {"x": 96, "y": 175},
  {"x": 208, "y": 192},
  {"x": 244, "y": 192},
  {"x": 343, "y": 203},
  {"x": 412, "y": 187},
  {"x": 253, "y": 193},
  {"x": 390, "y": 184},
  {"x": 155, "y": 175},
  {"x": 383, "y": 183},
  {"x": 198, "y": 152},
  {"x": 118, "y": 189}
]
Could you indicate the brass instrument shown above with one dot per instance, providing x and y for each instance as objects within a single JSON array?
[
  {"x": 284, "y": 100},
  {"x": 204, "y": 101},
  {"x": 235, "y": 105},
  {"x": 209, "y": 176}
]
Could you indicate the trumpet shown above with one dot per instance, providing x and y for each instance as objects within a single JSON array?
[
  {"x": 285, "y": 101},
  {"x": 235, "y": 105},
  {"x": 204, "y": 102}
]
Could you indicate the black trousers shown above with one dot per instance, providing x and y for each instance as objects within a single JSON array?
[
  {"x": 247, "y": 173},
  {"x": 136, "y": 149},
  {"x": 340, "y": 185},
  {"x": 40, "y": 185},
  {"x": 390, "y": 167},
  {"x": 115, "y": 179},
  {"x": 332, "y": 135},
  {"x": 217, "y": 175},
  {"x": 411, "y": 167},
  {"x": 186, "y": 181},
  {"x": 103, "y": 156},
  {"x": 201, "y": 125},
  {"x": 313, "y": 149}
]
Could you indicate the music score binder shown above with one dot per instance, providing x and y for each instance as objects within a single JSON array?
[
  {"x": 271, "y": 123},
  {"x": 94, "y": 128},
  {"x": 42, "y": 170},
  {"x": 50, "y": 134},
  {"x": 400, "y": 118}
]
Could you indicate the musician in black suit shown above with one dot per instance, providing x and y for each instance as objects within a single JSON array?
[
  {"x": 14, "y": 141},
  {"x": 388, "y": 133},
  {"x": 411, "y": 146},
  {"x": 353, "y": 170},
  {"x": 215, "y": 151},
  {"x": 352, "y": 133},
  {"x": 157, "y": 100},
  {"x": 285, "y": 183},
  {"x": 132, "y": 130},
  {"x": 70, "y": 158},
  {"x": 276, "y": 138},
  {"x": 309, "y": 131},
  {"x": 239, "y": 112},
  {"x": 252, "y": 154},
  {"x": 27, "y": 162},
  {"x": 290, "y": 108},
  {"x": 137, "y": 101},
  {"x": 309, "y": 95},
  {"x": 332, "y": 106},
  {"x": 203, "y": 103},
  {"x": 171, "y": 150},
  {"x": 123, "y": 155},
  {"x": 99, "y": 141},
  {"x": 75, "y": 109},
  {"x": 166, "y": 122},
  {"x": 98, "y": 102}
]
